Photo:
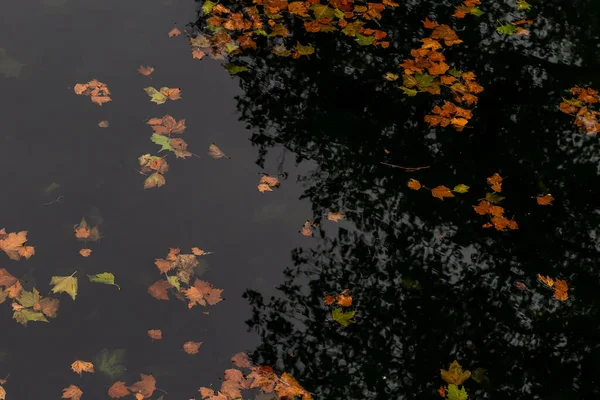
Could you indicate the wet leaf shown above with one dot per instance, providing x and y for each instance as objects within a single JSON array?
[
  {"x": 545, "y": 200},
  {"x": 506, "y": 29},
  {"x": 103, "y": 124},
  {"x": 163, "y": 141},
  {"x": 80, "y": 366},
  {"x": 455, "y": 374},
  {"x": 560, "y": 290},
  {"x": 174, "y": 32},
  {"x": 207, "y": 7},
  {"x": 191, "y": 347},
  {"x": 335, "y": 216},
  {"x": 159, "y": 290},
  {"x": 67, "y": 284},
  {"x": 455, "y": 394},
  {"x": 440, "y": 192},
  {"x": 414, "y": 184},
  {"x": 72, "y": 392},
  {"x": 85, "y": 252},
  {"x": 267, "y": 182},
  {"x": 12, "y": 245},
  {"x": 106, "y": 278},
  {"x": 461, "y": 188},
  {"x": 343, "y": 318},
  {"x": 215, "y": 152},
  {"x": 234, "y": 69},
  {"x": 496, "y": 182},
  {"x": 523, "y": 5},
  {"x": 145, "y": 387},
  {"x": 110, "y": 362},
  {"x": 493, "y": 198},
  {"x": 288, "y": 387},
  {"x": 25, "y": 315},
  {"x": 174, "y": 281},
  {"x": 155, "y": 334},
  {"x": 479, "y": 375},
  {"x": 146, "y": 71},
  {"x": 161, "y": 96},
  {"x": 118, "y": 390},
  {"x": 154, "y": 180}
]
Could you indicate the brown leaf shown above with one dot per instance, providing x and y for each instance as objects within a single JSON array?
[
  {"x": 335, "y": 216},
  {"x": 103, "y": 124},
  {"x": 155, "y": 334},
  {"x": 263, "y": 377},
  {"x": 118, "y": 390},
  {"x": 163, "y": 265},
  {"x": 159, "y": 290},
  {"x": 215, "y": 152},
  {"x": 82, "y": 366},
  {"x": 145, "y": 387},
  {"x": 455, "y": 374},
  {"x": 191, "y": 347},
  {"x": 267, "y": 182},
  {"x": 307, "y": 228},
  {"x": 289, "y": 387},
  {"x": 85, "y": 252},
  {"x": 545, "y": 200},
  {"x": 6, "y": 279},
  {"x": 441, "y": 191},
  {"x": 146, "y": 71},
  {"x": 174, "y": 32},
  {"x": 12, "y": 244},
  {"x": 48, "y": 306},
  {"x": 241, "y": 360},
  {"x": 414, "y": 184},
  {"x": 329, "y": 300},
  {"x": 72, "y": 392},
  {"x": 198, "y": 252}
]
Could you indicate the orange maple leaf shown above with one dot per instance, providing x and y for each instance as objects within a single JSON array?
[
  {"x": 546, "y": 280},
  {"x": 263, "y": 377},
  {"x": 85, "y": 252},
  {"x": 441, "y": 191},
  {"x": 155, "y": 334},
  {"x": 145, "y": 387},
  {"x": 12, "y": 245},
  {"x": 289, "y": 387},
  {"x": 241, "y": 360},
  {"x": 429, "y": 24},
  {"x": 414, "y": 184},
  {"x": 174, "y": 32},
  {"x": 72, "y": 392},
  {"x": 545, "y": 200},
  {"x": 191, "y": 347},
  {"x": 82, "y": 366},
  {"x": 560, "y": 290},
  {"x": 496, "y": 182},
  {"x": 158, "y": 290},
  {"x": 118, "y": 390}
]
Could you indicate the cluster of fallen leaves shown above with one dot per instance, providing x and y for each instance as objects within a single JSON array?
[
  {"x": 468, "y": 7},
  {"x": 428, "y": 71},
  {"x": 489, "y": 206},
  {"x": 560, "y": 287},
  {"x": 515, "y": 28},
  {"x": 308, "y": 228},
  {"x": 441, "y": 191},
  {"x": 231, "y": 31},
  {"x": 339, "y": 314},
  {"x": 267, "y": 182},
  {"x": 263, "y": 377},
  {"x": 142, "y": 389},
  {"x": 182, "y": 265},
  {"x": 160, "y": 96},
  {"x": 454, "y": 377},
  {"x": 13, "y": 244},
  {"x": 86, "y": 233},
  {"x": 96, "y": 90},
  {"x": 586, "y": 119}
]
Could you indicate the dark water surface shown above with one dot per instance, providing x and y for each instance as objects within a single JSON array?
[{"x": 430, "y": 285}]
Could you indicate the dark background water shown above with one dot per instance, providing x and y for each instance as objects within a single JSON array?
[{"x": 325, "y": 122}]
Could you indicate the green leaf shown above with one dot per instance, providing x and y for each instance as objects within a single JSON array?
[
  {"x": 110, "y": 362},
  {"x": 455, "y": 394},
  {"x": 155, "y": 96},
  {"x": 409, "y": 92},
  {"x": 479, "y": 375},
  {"x": 493, "y": 198},
  {"x": 455, "y": 72},
  {"x": 339, "y": 13},
  {"x": 67, "y": 284},
  {"x": 261, "y": 32},
  {"x": 476, "y": 11},
  {"x": 25, "y": 315},
  {"x": 322, "y": 11},
  {"x": 507, "y": 29},
  {"x": 163, "y": 141},
  {"x": 27, "y": 299},
  {"x": 523, "y": 5},
  {"x": 353, "y": 28},
  {"x": 231, "y": 47},
  {"x": 364, "y": 40},
  {"x": 424, "y": 80},
  {"x": 208, "y": 6},
  {"x": 105, "y": 277},
  {"x": 344, "y": 318},
  {"x": 174, "y": 281},
  {"x": 461, "y": 188},
  {"x": 304, "y": 50},
  {"x": 573, "y": 102},
  {"x": 235, "y": 69}
]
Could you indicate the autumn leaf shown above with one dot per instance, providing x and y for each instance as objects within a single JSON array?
[
  {"x": 461, "y": 188},
  {"x": 202, "y": 293},
  {"x": 241, "y": 360},
  {"x": 6, "y": 279},
  {"x": 198, "y": 252},
  {"x": 343, "y": 318},
  {"x": 67, "y": 284},
  {"x": 344, "y": 300},
  {"x": 145, "y": 387},
  {"x": 289, "y": 387},
  {"x": 155, "y": 334},
  {"x": 267, "y": 182},
  {"x": 159, "y": 290},
  {"x": 12, "y": 245},
  {"x": 82, "y": 366},
  {"x": 329, "y": 300},
  {"x": 72, "y": 392},
  {"x": 25, "y": 315},
  {"x": 96, "y": 90},
  {"x": 85, "y": 252},
  {"x": 191, "y": 347},
  {"x": 307, "y": 228},
  {"x": 335, "y": 216},
  {"x": 546, "y": 280},
  {"x": 118, "y": 390},
  {"x": 154, "y": 180},
  {"x": 263, "y": 377},
  {"x": 146, "y": 71},
  {"x": 161, "y": 96},
  {"x": 103, "y": 124},
  {"x": 455, "y": 374},
  {"x": 560, "y": 290},
  {"x": 496, "y": 182},
  {"x": 48, "y": 306},
  {"x": 545, "y": 200},
  {"x": 440, "y": 192},
  {"x": 414, "y": 184},
  {"x": 2, "y": 393},
  {"x": 107, "y": 278},
  {"x": 215, "y": 152},
  {"x": 174, "y": 32},
  {"x": 166, "y": 125},
  {"x": 455, "y": 394},
  {"x": 429, "y": 24}
]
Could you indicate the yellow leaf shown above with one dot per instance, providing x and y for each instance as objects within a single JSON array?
[
  {"x": 82, "y": 366},
  {"x": 455, "y": 374},
  {"x": 67, "y": 284}
]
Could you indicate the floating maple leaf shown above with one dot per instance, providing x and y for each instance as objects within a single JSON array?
[
  {"x": 158, "y": 290},
  {"x": 335, "y": 216},
  {"x": 215, "y": 152},
  {"x": 84, "y": 232},
  {"x": 496, "y": 182},
  {"x": 545, "y": 200},
  {"x": 146, "y": 71},
  {"x": 174, "y": 32},
  {"x": 455, "y": 374},
  {"x": 12, "y": 245},
  {"x": 118, "y": 390},
  {"x": 441, "y": 191},
  {"x": 414, "y": 184},
  {"x": 166, "y": 125},
  {"x": 145, "y": 387},
  {"x": 267, "y": 182},
  {"x": 96, "y": 90},
  {"x": 85, "y": 252},
  {"x": 307, "y": 228},
  {"x": 155, "y": 334},
  {"x": 191, "y": 347},
  {"x": 82, "y": 366},
  {"x": 72, "y": 392},
  {"x": 241, "y": 360},
  {"x": 202, "y": 293}
]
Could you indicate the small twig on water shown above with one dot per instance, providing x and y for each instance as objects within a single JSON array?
[
  {"x": 58, "y": 199},
  {"x": 407, "y": 169}
]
